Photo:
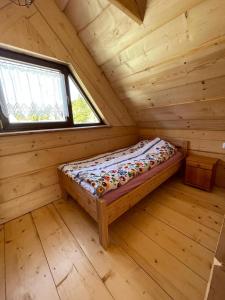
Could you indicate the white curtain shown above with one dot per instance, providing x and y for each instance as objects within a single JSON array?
[
  {"x": 32, "y": 93},
  {"x": 2, "y": 101}
]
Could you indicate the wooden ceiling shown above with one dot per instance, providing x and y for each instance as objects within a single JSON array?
[{"x": 169, "y": 71}]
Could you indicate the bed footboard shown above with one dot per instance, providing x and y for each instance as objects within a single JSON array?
[{"x": 84, "y": 198}]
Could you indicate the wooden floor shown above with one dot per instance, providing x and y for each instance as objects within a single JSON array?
[{"x": 162, "y": 249}]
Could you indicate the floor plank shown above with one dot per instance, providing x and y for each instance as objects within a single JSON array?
[
  {"x": 217, "y": 205},
  {"x": 190, "y": 253},
  {"x": 160, "y": 250},
  {"x": 178, "y": 280},
  {"x": 2, "y": 263},
  {"x": 215, "y": 197},
  {"x": 120, "y": 273},
  {"x": 199, "y": 233},
  {"x": 73, "y": 274},
  {"x": 27, "y": 272},
  {"x": 194, "y": 212}
]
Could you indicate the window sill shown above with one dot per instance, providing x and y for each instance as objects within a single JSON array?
[{"x": 12, "y": 133}]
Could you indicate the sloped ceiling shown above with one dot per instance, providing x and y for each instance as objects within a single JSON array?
[
  {"x": 43, "y": 29},
  {"x": 169, "y": 71}
]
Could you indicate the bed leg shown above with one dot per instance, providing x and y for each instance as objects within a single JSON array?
[
  {"x": 103, "y": 224},
  {"x": 65, "y": 195}
]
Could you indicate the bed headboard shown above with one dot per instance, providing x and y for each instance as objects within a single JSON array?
[{"x": 181, "y": 145}]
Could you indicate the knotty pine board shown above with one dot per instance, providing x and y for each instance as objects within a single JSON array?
[
  {"x": 26, "y": 266},
  {"x": 68, "y": 264},
  {"x": 119, "y": 272},
  {"x": 176, "y": 57}
]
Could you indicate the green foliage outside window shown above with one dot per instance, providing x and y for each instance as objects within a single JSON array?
[{"x": 82, "y": 113}]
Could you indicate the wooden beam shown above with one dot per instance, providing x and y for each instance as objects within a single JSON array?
[
  {"x": 62, "y": 4},
  {"x": 135, "y": 9}
]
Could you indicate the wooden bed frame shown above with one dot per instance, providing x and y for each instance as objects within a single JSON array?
[{"x": 105, "y": 214}]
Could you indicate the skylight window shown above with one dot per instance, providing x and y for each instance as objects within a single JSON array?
[{"x": 38, "y": 94}]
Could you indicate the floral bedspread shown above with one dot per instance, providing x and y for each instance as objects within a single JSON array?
[{"x": 109, "y": 171}]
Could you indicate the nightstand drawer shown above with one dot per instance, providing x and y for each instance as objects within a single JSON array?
[
  {"x": 199, "y": 165},
  {"x": 198, "y": 177}
]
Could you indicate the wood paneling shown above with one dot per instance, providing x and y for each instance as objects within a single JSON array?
[
  {"x": 210, "y": 125},
  {"x": 89, "y": 12},
  {"x": 21, "y": 205},
  {"x": 15, "y": 143},
  {"x": 204, "y": 110},
  {"x": 170, "y": 71},
  {"x": 28, "y": 162},
  {"x": 14, "y": 187}
]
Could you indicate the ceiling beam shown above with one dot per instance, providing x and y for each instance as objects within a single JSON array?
[{"x": 134, "y": 9}]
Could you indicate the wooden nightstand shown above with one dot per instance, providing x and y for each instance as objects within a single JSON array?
[{"x": 200, "y": 171}]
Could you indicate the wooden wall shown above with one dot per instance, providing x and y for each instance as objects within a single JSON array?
[
  {"x": 28, "y": 162},
  {"x": 169, "y": 72}
]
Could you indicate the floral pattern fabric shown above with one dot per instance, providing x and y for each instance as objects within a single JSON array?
[{"x": 109, "y": 171}]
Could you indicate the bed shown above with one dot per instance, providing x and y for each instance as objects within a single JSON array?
[{"x": 141, "y": 168}]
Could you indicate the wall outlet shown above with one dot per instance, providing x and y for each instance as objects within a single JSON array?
[{"x": 223, "y": 146}]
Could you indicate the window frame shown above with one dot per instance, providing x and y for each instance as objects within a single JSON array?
[{"x": 6, "y": 126}]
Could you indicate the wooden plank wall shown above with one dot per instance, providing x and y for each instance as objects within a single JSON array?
[
  {"x": 28, "y": 162},
  {"x": 169, "y": 72}
]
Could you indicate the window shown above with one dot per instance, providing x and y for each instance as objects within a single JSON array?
[{"x": 39, "y": 94}]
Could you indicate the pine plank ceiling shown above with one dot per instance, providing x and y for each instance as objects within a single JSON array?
[{"x": 168, "y": 71}]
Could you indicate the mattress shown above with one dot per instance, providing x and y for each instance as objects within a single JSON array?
[
  {"x": 109, "y": 171},
  {"x": 135, "y": 182}
]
